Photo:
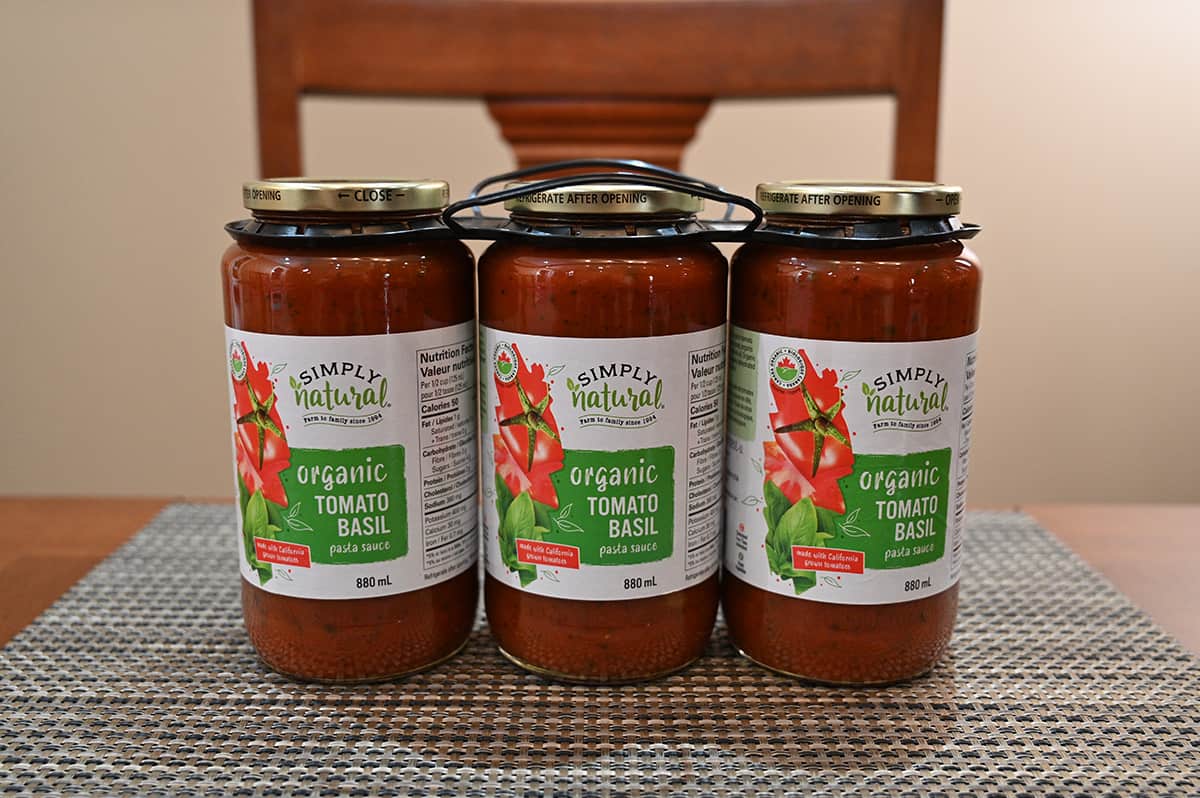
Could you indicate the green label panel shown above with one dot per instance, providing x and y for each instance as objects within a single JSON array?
[
  {"x": 348, "y": 506},
  {"x": 617, "y": 507},
  {"x": 896, "y": 508}
]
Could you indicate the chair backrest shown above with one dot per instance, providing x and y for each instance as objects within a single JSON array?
[{"x": 578, "y": 78}]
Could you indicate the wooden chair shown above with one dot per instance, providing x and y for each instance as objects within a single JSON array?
[{"x": 626, "y": 79}]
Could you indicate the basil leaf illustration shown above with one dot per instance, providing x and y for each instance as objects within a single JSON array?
[
  {"x": 565, "y": 512},
  {"x": 519, "y": 522},
  {"x": 567, "y": 525},
  {"x": 777, "y": 504},
  {"x": 521, "y": 515},
  {"x": 804, "y": 580},
  {"x": 849, "y": 375},
  {"x": 256, "y": 524},
  {"x": 265, "y": 571},
  {"x": 827, "y": 520},
  {"x": 797, "y": 526},
  {"x": 541, "y": 515},
  {"x": 255, "y": 517},
  {"x": 299, "y": 525},
  {"x": 799, "y": 523},
  {"x": 504, "y": 497},
  {"x": 275, "y": 515}
]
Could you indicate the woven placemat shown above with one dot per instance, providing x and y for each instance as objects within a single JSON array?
[{"x": 141, "y": 680}]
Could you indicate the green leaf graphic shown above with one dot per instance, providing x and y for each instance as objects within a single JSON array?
[
  {"x": 256, "y": 513},
  {"x": 777, "y": 504},
  {"x": 521, "y": 514},
  {"x": 796, "y": 526},
  {"x": 294, "y": 521},
  {"x": 519, "y": 521},
  {"x": 567, "y": 525},
  {"x": 827, "y": 520},
  {"x": 504, "y": 497},
  {"x": 256, "y": 523},
  {"x": 541, "y": 515}
]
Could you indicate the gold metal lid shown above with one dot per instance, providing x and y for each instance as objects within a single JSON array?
[
  {"x": 606, "y": 199},
  {"x": 304, "y": 194},
  {"x": 858, "y": 198}
]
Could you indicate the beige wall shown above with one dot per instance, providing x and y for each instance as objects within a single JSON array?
[{"x": 126, "y": 130}]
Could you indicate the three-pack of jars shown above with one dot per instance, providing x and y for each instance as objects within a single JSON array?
[{"x": 645, "y": 413}]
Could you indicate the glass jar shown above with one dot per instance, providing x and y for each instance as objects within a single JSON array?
[
  {"x": 852, "y": 363},
  {"x": 351, "y": 345},
  {"x": 602, "y": 390}
]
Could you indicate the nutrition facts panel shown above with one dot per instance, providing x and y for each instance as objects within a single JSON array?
[
  {"x": 705, "y": 459},
  {"x": 446, "y": 418},
  {"x": 960, "y": 477}
]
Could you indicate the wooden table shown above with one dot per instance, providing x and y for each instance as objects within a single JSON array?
[{"x": 1151, "y": 552}]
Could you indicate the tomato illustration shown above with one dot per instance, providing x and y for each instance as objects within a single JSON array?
[
  {"x": 811, "y": 450},
  {"x": 528, "y": 447},
  {"x": 258, "y": 439}
]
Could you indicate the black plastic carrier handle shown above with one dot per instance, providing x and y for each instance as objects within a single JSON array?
[
  {"x": 659, "y": 177},
  {"x": 612, "y": 164}
]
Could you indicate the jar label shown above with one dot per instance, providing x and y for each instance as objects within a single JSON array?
[
  {"x": 603, "y": 462},
  {"x": 847, "y": 465},
  {"x": 355, "y": 460}
]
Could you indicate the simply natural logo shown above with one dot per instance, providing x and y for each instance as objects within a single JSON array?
[
  {"x": 616, "y": 395},
  {"x": 910, "y": 398},
  {"x": 340, "y": 393},
  {"x": 237, "y": 361},
  {"x": 787, "y": 368},
  {"x": 504, "y": 361}
]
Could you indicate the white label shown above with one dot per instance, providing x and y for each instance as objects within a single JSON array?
[
  {"x": 355, "y": 460},
  {"x": 620, "y": 496},
  {"x": 847, "y": 466}
]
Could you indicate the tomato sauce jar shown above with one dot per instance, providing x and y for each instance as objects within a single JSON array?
[
  {"x": 602, "y": 372},
  {"x": 350, "y": 337},
  {"x": 852, "y": 365}
]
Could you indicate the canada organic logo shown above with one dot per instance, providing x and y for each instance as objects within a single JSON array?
[
  {"x": 911, "y": 398},
  {"x": 237, "y": 361},
  {"x": 787, "y": 368},
  {"x": 504, "y": 360}
]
